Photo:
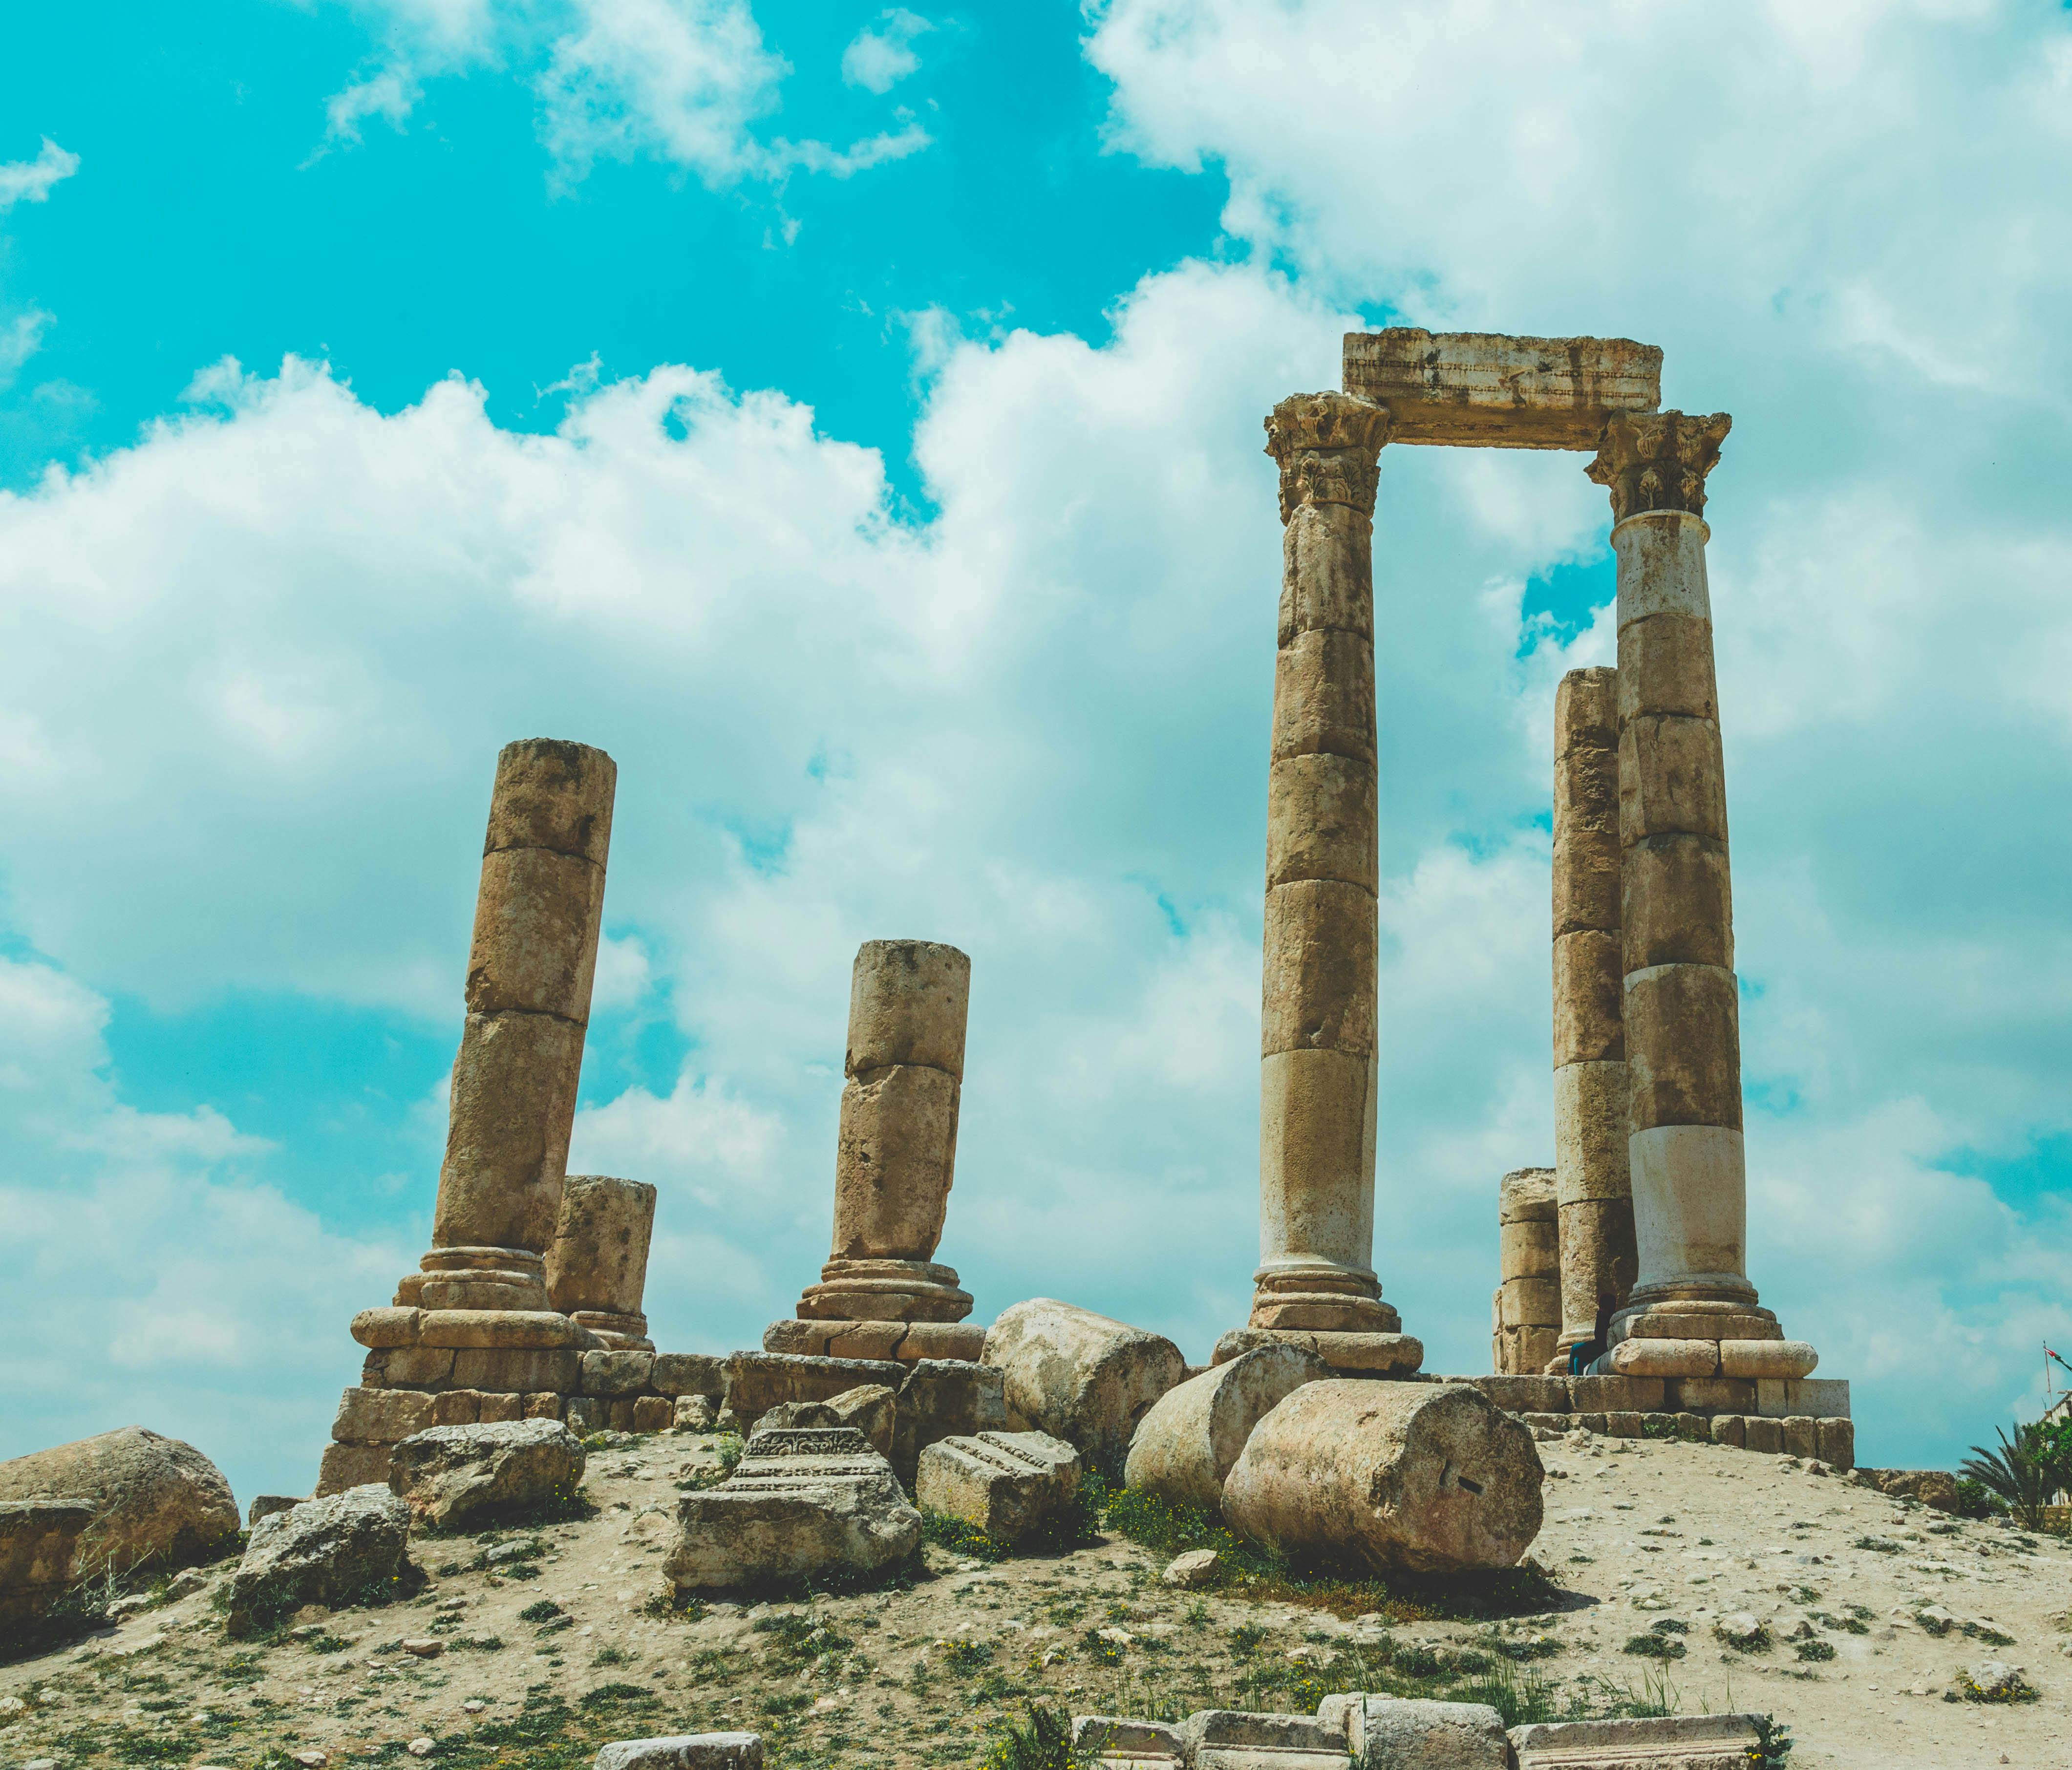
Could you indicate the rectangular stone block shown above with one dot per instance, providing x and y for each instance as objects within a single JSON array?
[
  {"x": 419, "y": 1367},
  {"x": 583, "y": 1414},
  {"x": 690, "y": 1373},
  {"x": 1676, "y": 1742},
  {"x": 1821, "y": 1398},
  {"x": 937, "y": 1399},
  {"x": 614, "y": 1374},
  {"x": 1548, "y": 1423},
  {"x": 867, "y": 1339},
  {"x": 653, "y": 1413},
  {"x": 1714, "y": 1394},
  {"x": 351, "y": 1465},
  {"x": 1802, "y": 1436},
  {"x": 1627, "y": 1395},
  {"x": 1837, "y": 1440},
  {"x": 1528, "y": 1250},
  {"x": 1729, "y": 1429},
  {"x": 457, "y": 1407},
  {"x": 1486, "y": 390},
  {"x": 497, "y": 1408},
  {"x": 621, "y": 1412},
  {"x": 1526, "y": 1395},
  {"x": 961, "y": 1341},
  {"x": 804, "y": 1339},
  {"x": 1623, "y": 1425},
  {"x": 757, "y": 1382},
  {"x": 543, "y": 1407},
  {"x": 1532, "y": 1303},
  {"x": 380, "y": 1416},
  {"x": 517, "y": 1370},
  {"x": 1590, "y": 1422},
  {"x": 1763, "y": 1434}
]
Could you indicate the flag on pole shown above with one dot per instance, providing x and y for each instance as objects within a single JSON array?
[{"x": 2048, "y": 1354}]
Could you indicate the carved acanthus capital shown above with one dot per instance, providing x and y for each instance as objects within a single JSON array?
[
  {"x": 1659, "y": 461},
  {"x": 1328, "y": 445}
]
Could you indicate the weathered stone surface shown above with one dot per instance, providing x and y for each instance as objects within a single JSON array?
[
  {"x": 1801, "y": 1436},
  {"x": 1185, "y": 1445},
  {"x": 1320, "y": 968},
  {"x": 613, "y": 1374},
  {"x": 684, "y": 1751},
  {"x": 1730, "y": 1429},
  {"x": 518, "y": 1370},
  {"x": 550, "y": 794},
  {"x": 535, "y": 928},
  {"x": 1418, "y": 1734},
  {"x": 1785, "y": 1358},
  {"x": 688, "y": 1373},
  {"x": 1410, "y": 1477},
  {"x": 380, "y": 1416},
  {"x": 894, "y": 1162},
  {"x": 1679, "y": 1742},
  {"x": 1765, "y": 1435},
  {"x": 1678, "y": 904},
  {"x": 962, "y": 1342},
  {"x": 1629, "y": 1394},
  {"x": 1078, "y": 1376},
  {"x": 1683, "y": 1062},
  {"x": 1713, "y": 1394},
  {"x": 1588, "y": 989},
  {"x": 942, "y": 1399},
  {"x": 1822, "y": 1397},
  {"x": 264, "y": 1506},
  {"x": 335, "y": 1551},
  {"x": 460, "y": 1477},
  {"x": 908, "y": 1004},
  {"x": 1526, "y": 1395},
  {"x": 800, "y": 1503},
  {"x": 535, "y": 1330},
  {"x": 1486, "y": 390},
  {"x": 38, "y": 1544},
  {"x": 1011, "y": 1485},
  {"x": 1321, "y": 821},
  {"x": 758, "y": 1380},
  {"x": 495, "y": 1408},
  {"x": 694, "y": 1414},
  {"x": 157, "y": 1501},
  {"x": 1376, "y": 1354},
  {"x": 1666, "y": 1358},
  {"x": 346, "y": 1466},
  {"x": 597, "y": 1268},
  {"x": 871, "y": 1409},
  {"x": 1195, "y": 1567},
  {"x": 1323, "y": 695},
  {"x": 1837, "y": 1442}
]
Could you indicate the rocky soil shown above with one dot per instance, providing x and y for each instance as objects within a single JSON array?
[{"x": 548, "y": 1642}]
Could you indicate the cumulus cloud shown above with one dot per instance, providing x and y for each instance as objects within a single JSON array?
[{"x": 879, "y": 58}]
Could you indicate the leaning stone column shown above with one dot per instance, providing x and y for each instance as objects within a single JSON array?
[
  {"x": 1590, "y": 1182},
  {"x": 1692, "y": 1312},
  {"x": 528, "y": 984},
  {"x": 1316, "y": 1281},
  {"x": 898, "y": 1152},
  {"x": 596, "y": 1269}
]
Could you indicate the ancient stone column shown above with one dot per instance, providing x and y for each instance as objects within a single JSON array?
[
  {"x": 898, "y": 1147},
  {"x": 597, "y": 1268},
  {"x": 1680, "y": 1001},
  {"x": 1316, "y": 1276},
  {"x": 1528, "y": 1305},
  {"x": 1595, "y": 1199},
  {"x": 528, "y": 985}
]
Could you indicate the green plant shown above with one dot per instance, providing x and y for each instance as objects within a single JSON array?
[
  {"x": 2015, "y": 1474},
  {"x": 958, "y": 1536},
  {"x": 1044, "y": 1742},
  {"x": 538, "y": 1611},
  {"x": 1976, "y": 1501},
  {"x": 611, "y": 1656},
  {"x": 1816, "y": 1649},
  {"x": 966, "y": 1656},
  {"x": 1773, "y": 1744},
  {"x": 1654, "y": 1646}
]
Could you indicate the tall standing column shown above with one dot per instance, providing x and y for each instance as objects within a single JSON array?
[
  {"x": 1318, "y": 1035},
  {"x": 1680, "y": 1001},
  {"x": 529, "y": 987},
  {"x": 1591, "y": 1185}
]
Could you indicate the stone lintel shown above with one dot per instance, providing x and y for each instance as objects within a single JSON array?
[{"x": 1486, "y": 390}]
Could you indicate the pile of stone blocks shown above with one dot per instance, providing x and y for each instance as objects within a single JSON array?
[
  {"x": 1806, "y": 1416},
  {"x": 1381, "y": 1732}
]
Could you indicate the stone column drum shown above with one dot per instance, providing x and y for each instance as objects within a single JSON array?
[
  {"x": 596, "y": 1269},
  {"x": 908, "y": 1001},
  {"x": 1316, "y": 1279},
  {"x": 528, "y": 985},
  {"x": 1692, "y": 1311},
  {"x": 1527, "y": 1304},
  {"x": 1590, "y": 1181}
]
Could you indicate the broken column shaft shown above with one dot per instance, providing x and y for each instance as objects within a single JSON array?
[
  {"x": 596, "y": 1269},
  {"x": 529, "y": 972},
  {"x": 1527, "y": 1304},
  {"x": 1590, "y": 1182},
  {"x": 897, "y": 1153}
]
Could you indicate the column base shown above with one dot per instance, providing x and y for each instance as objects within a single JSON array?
[
  {"x": 1351, "y": 1354},
  {"x": 884, "y": 1290},
  {"x": 476, "y": 1277},
  {"x": 1663, "y": 1334},
  {"x": 619, "y": 1332},
  {"x": 1317, "y": 1296}
]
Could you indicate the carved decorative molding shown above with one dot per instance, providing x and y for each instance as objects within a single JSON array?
[
  {"x": 1328, "y": 445},
  {"x": 1659, "y": 461}
]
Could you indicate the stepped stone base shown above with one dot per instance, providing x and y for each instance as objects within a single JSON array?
[
  {"x": 906, "y": 1341},
  {"x": 1348, "y": 1354},
  {"x": 1806, "y": 1417}
]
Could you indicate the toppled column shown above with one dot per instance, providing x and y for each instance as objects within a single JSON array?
[
  {"x": 894, "y": 1162},
  {"x": 596, "y": 1269},
  {"x": 1528, "y": 1305},
  {"x": 475, "y": 1319},
  {"x": 1590, "y": 1181},
  {"x": 1316, "y": 1280},
  {"x": 1692, "y": 1312}
]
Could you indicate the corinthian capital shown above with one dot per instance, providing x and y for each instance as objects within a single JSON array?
[
  {"x": 1327, "y": 445},
  {"x": 1658, "y": 461}
]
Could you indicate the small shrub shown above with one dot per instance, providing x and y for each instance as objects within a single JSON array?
[
  {"x": 1654, "y": 1646},
  {"x": 1815, "y": 1649},
  {"x": 790, "y": 1703},
  {"x": 958, "y": 1536},
  {"x": 1044, "y": 1742},
  {"x": 540, "y": 1611},
  {"x": 610, "y": 1656},
  {"x": 1985, "y": 1632},
  {"x": 966, "y": 1656},
  {"x": 1773, "y": 1744},
  {"x": 1245, "y": 1638}
]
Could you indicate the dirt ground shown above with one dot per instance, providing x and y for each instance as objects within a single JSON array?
[{"x": 561, "y": 1641}]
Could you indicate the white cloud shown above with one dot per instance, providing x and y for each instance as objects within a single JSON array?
[
  {"x": 390, "y": 93},
  {"x": 30, "y": 181},
  {"x": 877, "y": 59},
  {"x": 21, "y": 337}
]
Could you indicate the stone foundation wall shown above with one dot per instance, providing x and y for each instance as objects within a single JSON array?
[
  {"x": 1804, "y": 1416},
  {"x": 406, "y": 1390}
]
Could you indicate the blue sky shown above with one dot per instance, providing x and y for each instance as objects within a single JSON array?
[{"x": 849, "y": 418}]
